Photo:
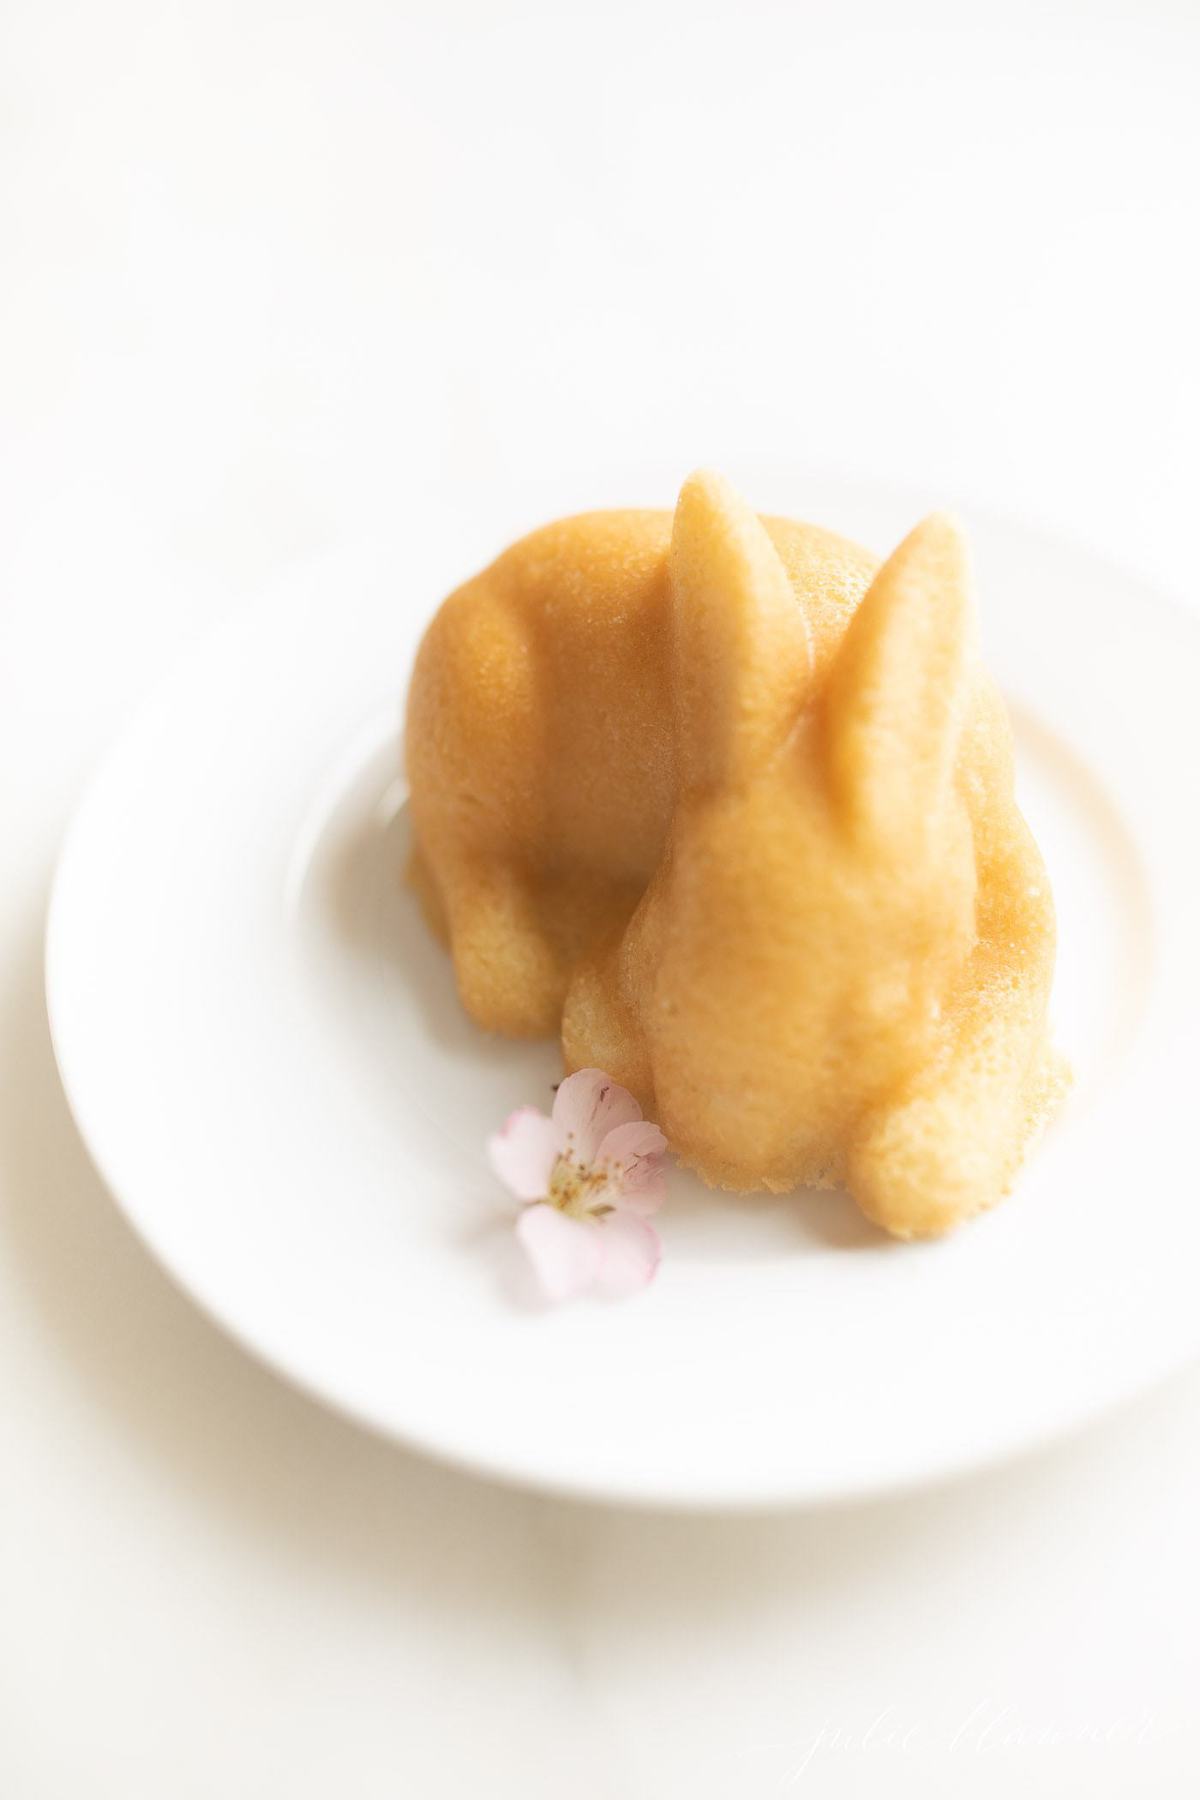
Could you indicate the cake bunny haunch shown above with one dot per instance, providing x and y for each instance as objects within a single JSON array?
[{"x": 731, "y": 807}]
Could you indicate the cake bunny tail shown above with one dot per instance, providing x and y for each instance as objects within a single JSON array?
[{"x": 742, "y": 649}]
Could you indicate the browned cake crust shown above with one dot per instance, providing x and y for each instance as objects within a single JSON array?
[{"x": 731, "y": 807}]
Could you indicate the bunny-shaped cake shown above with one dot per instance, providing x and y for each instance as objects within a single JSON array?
[{"x": 731, "y": 806}]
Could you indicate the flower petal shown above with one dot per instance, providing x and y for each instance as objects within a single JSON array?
[
  {"x": 635, "y": 1153},
  {"x": 630, "y": 1252},
  {"x": 639, "y": 1138},
  {"x": 565, "y": 1253},
  {"x": 524, "y": 1153},
  {"x": 641, "y": 1191},
  {"x": 587, "y": 1106}
]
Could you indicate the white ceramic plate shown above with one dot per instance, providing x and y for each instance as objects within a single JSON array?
[{"x": 264, "y": 1052}]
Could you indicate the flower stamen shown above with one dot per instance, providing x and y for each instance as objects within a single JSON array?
[{"x": 577, "y": 1188}]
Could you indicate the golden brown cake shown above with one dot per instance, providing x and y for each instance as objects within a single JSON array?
[{"x": 731, "y": 807}]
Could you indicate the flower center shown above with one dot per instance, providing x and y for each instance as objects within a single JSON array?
[{"x": 578, "y": 1188}]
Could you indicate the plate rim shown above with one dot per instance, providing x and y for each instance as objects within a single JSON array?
[{"x": 479, "y": 1464}]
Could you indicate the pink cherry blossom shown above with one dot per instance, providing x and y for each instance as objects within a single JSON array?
[{"x": 590, "y": 1174}]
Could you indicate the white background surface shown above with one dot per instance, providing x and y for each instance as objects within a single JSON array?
[{"x": 273, "y": 276}]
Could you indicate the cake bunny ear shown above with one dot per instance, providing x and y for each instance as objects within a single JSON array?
[
  {"x": 742, "y": 652},
  {"x": 897, "y": 692}
]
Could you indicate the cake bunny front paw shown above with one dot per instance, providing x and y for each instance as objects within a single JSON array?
[
  {"x": 510, "y": 976},
  {"x": 918, "y": 1170}
]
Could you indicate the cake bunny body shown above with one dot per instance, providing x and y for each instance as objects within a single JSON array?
[{"x": 732, "y": 808}]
